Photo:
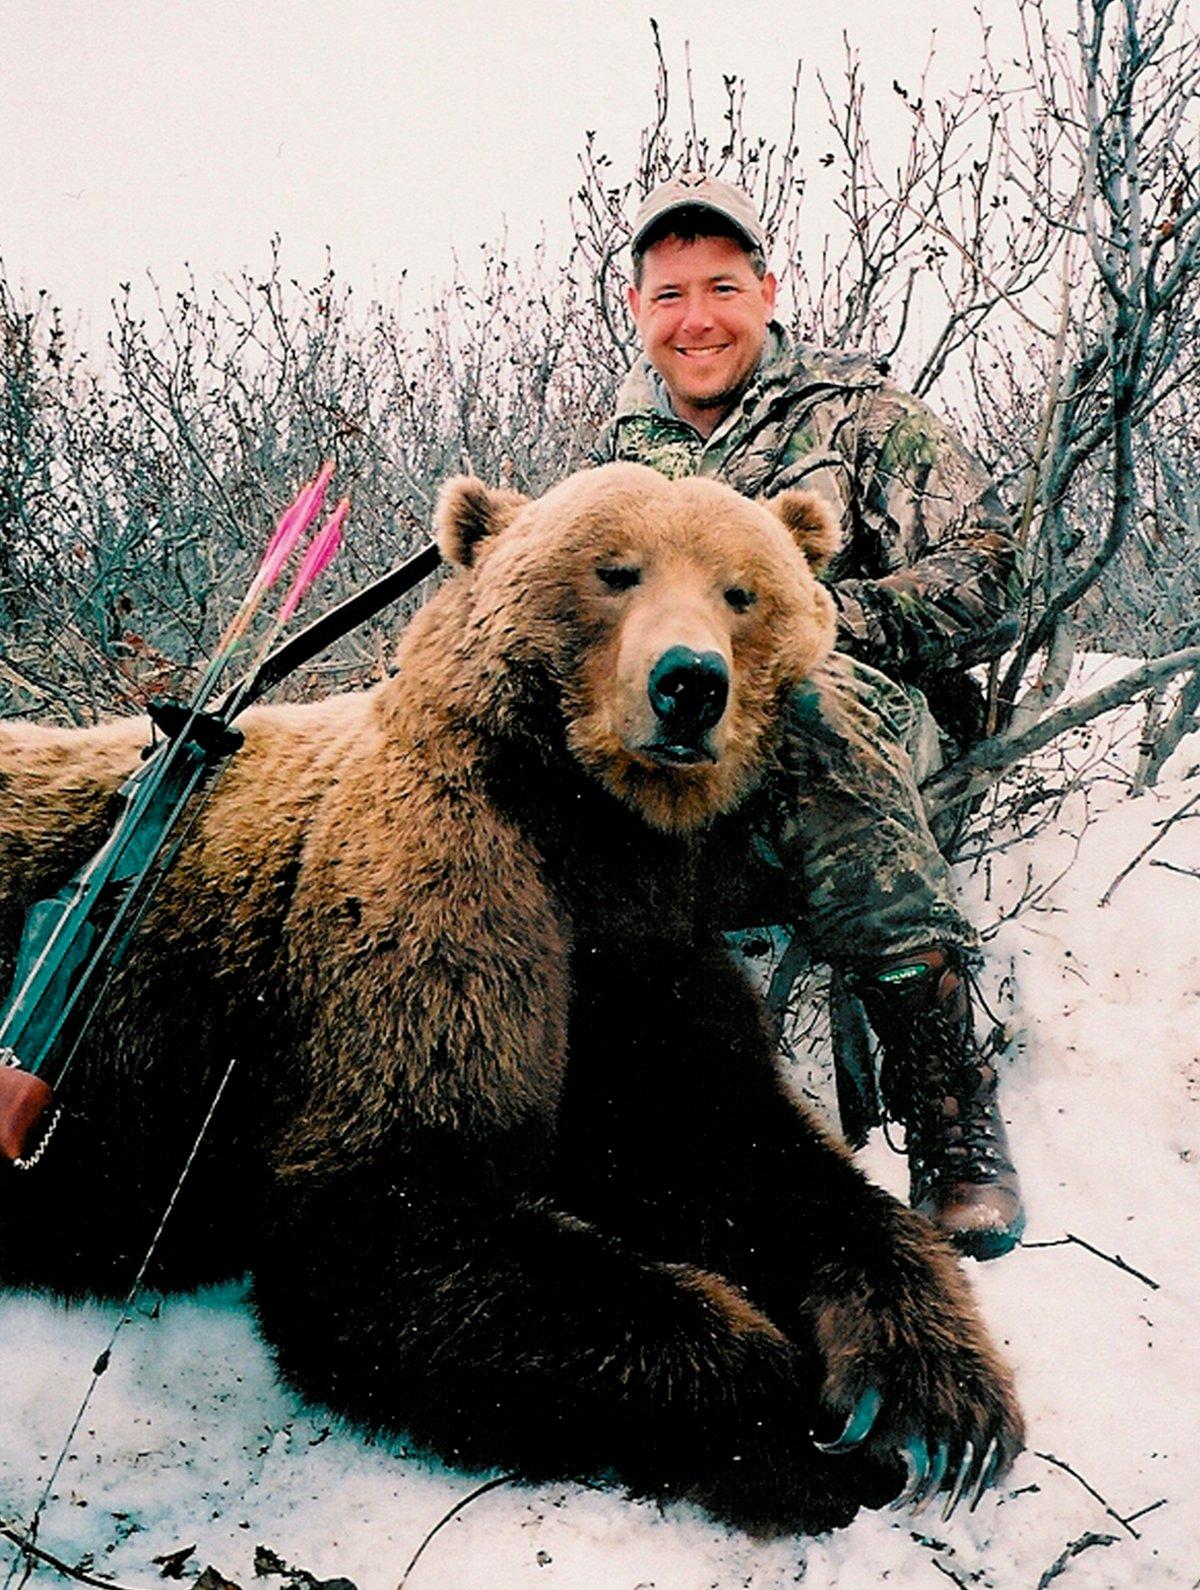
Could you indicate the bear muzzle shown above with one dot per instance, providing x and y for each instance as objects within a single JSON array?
[{"x": 688, "y": 692}]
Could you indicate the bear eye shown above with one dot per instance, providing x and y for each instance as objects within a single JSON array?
[
  {"x": 739, "y": 598},
  {"x": 619, "y": 576}
]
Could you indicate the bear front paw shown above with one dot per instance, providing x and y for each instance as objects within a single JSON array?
[{"x": 922, "y": 1392}]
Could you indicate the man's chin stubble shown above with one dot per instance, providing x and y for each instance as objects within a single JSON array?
[{"x": 719, "y": 400}]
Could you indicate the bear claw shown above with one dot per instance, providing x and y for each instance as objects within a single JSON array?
[
  {"x": 857, "y": 1427},
  {"x": 987, "y": 1473},
  {"x": 915, "y": 1456},
  {"x": 932, "y": 1483},
  {"x": 961, "y": 1481}
]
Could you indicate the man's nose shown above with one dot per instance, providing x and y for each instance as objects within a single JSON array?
[{"x": 697, "y": 314}]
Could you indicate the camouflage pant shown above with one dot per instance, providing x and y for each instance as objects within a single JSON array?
[{"x": 838, "y": 840}]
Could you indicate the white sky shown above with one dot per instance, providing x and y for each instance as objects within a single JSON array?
[{"x": 139, "y": 134}]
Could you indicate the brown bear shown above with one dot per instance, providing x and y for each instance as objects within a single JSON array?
[{"x": 506, "y": 1148}]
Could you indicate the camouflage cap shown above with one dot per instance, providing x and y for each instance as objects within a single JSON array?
[{"x": 695, "y": 190}]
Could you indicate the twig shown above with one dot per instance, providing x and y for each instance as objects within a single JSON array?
[
  {"x": 1021, "y": 1490},
  {"x": 1075, "y": 1549},
  {"x": 28, "y": 1549},
  {"x": 473, "y": 1496},
  {"x": 1109, "y": 1258},
  {"x": 1169, "y": 866},
  {"x": 1048, "y": 1457},
  {"x": 1142, "y": 1511},
  {"x": 950, "y": 1574},
  {"x": 1163, "y": 829}
]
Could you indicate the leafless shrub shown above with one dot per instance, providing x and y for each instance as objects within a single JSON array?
[{"x": 137, "y": 491}]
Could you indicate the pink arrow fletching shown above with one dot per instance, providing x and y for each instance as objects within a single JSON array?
[
  {"x": 324, "y": 545},
  {"x": 293, "y": 522}
]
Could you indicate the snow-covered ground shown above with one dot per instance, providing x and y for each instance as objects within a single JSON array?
[{"x": 190, "y": 1442}]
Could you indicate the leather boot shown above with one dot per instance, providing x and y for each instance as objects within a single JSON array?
[{"x": 937, "y": 1082}]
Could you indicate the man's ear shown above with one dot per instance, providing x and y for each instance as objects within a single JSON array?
[
  {"x": 813, "y": 524},
  {"x": 467, "y": 513},
  {"x": 634, "y": 299},
  {"x": 770, "y": 287}
]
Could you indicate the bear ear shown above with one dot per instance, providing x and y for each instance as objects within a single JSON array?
[
  {"x": 467, "y": 513},
  {"x": 813, "y": 523}
]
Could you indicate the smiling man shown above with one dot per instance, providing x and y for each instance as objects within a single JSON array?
[{"x": 925, "y": 584}]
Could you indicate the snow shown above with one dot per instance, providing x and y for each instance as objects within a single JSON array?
[{"x": 190, "y": 1440}]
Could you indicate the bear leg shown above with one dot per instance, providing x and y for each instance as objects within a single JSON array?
[
  {"x": 679, "y": 1135},
  {"x": 513, "y": 1335}
]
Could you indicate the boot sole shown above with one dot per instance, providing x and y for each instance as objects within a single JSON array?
[{"x": 987, "y": 1244}]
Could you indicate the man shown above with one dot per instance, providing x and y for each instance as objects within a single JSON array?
[{"x": 925, "y": 584}]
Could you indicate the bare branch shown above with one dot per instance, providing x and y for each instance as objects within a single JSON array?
[
  {"x": 1163, "y": 829},
  {"x": 1114, "y": 1259},
  {"x": 31, "y": 1551},
  {"x": 1074, "y": 1549},
  {"x": 984, "y": 764}
]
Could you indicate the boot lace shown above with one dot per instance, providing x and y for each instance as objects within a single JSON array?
[{"x": 951, "y": 1122}]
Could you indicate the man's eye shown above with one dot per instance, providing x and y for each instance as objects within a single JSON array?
[
  {"x": 619, "y": 577},
  {"x": 739, "y": 598}
]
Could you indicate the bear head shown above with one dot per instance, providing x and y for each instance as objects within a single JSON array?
[{"x": 655, "y": 625}]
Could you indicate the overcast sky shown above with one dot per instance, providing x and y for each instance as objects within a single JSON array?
[{"x": 140, "y": 134}]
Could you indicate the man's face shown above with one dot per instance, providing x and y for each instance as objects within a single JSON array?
[{"x": 702, "y": 316}]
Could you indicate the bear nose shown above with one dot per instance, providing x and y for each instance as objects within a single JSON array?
[{"x": 688, "y": 689}]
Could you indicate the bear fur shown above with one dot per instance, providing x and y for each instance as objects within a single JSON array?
[{"x": 506, "y": 1149}]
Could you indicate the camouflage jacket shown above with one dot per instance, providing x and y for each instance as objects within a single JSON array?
[{"x": 927, "y": 579}]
